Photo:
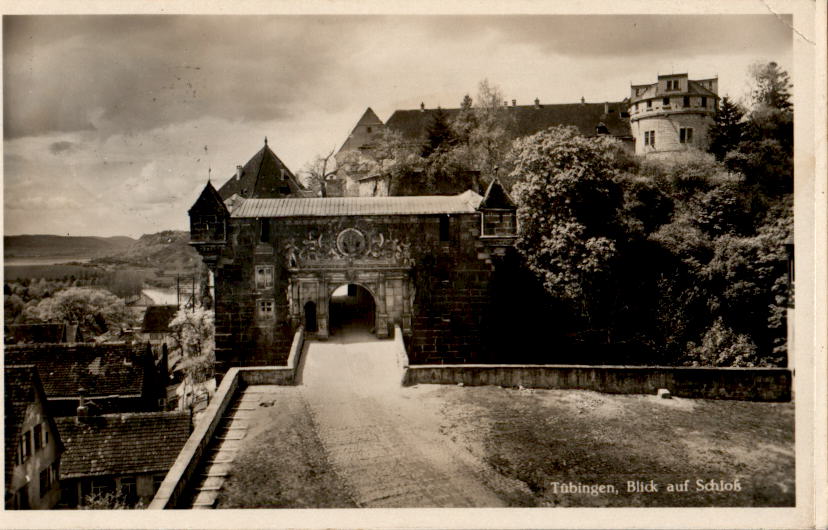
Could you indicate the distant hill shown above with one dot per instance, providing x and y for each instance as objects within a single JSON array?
[
  {"x": 64, "y": 247},
  {"x": 167, "y": 250}
]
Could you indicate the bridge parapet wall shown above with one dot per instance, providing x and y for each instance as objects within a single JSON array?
[{"x": 753, "y": 384}]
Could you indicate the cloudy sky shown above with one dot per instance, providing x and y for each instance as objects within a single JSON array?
[{"x": 111, "y": 122}]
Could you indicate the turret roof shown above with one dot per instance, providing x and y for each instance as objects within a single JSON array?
[{"x": 263, "y": 176}]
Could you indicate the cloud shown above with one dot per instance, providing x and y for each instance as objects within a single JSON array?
[{"x": 61, "y": 147}]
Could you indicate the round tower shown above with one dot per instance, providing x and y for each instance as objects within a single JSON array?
[{"x": 673, "y": 114}]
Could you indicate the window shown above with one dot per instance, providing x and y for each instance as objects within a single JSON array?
[
  {"x": 264, "y": 276},
  {"x": 38, "y": 436},
  {"x": 102, "y": 485},
  {"x": 45, "y": 437},
  {"x": 27, "y": 445},
  {"x": 46, "y": 478},
  {"x": 649, "y": 138},
  {"x": 265, "y": 309},
  {"x": 665, "y": 101},
  {"x": 686, "y": 135},
  {"x": 704, "y": 101},
  {"x": 652, "y": 138},
  {"x": 686, "y": 101},
  {"x": 636, "y": 107},
  {"x": 264, "y": 231},
  {"x": 283, "y": 174},
  {"x": 649, "y": 103},
  {"x": 368, "y": 129},
  {"x": 444, "y": 228},
  {"x": 129, "y": 488}
]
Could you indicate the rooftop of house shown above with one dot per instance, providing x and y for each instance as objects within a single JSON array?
[
  {"x": 528, "y": 119},
  {"x": 157, "y": 318},
  {"x": 654, "y": 90},
  {"x": 466, "y": 202},
  {"x": 100, "y": 369},
  {"x": 264, "y": 175},
  {"x": 118, "y": 444},
  {"x": 22, "y": 387},
  {"x": 41, "y": 333}
]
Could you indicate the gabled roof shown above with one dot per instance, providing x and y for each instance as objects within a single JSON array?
[
  {"x": 496, "y": 197},
  {"x": 466, "y": 202},
  {"x": 22, "y": 387},
  {"x": 208, "y": 201},
  {"x": 528, "y": 119},
  {"x": 369, "y": 118},
  {"x": 262, "y": 176},
  {"x": 100, "y": 369},
  {"x": 42, "y": 333},
  {"x": 118, "y": 444},
  {"x": 362, "y": 139},
  {"x": 157, "y": 318}
]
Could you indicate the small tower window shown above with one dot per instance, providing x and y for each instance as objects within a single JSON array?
[
  {"x": 368, "y": 129},
  {"x": 444, "y": 228},
  {"x": 264, "y": 276},
  {"x": 665, "y": 102},
  {"x": 266, "y": 310},
  {"x": 686, "y": 102},
  {"x": 649, "y": 103},
  {"x": 264, "y": 231},
  {"x": 686, "y": 135},
  {"x": 704, "y": 101}
]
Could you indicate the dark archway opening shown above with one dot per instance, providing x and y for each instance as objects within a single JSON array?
[
  {"x": 352, "y": 307},
  {"x": 310, "y": 317}
]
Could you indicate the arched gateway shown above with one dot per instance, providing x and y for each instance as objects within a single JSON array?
[{"x": 425, "y": 261}]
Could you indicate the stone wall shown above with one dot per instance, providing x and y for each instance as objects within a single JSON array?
[
  {"x": 428, "y": 274},
  {"x": 755, "y": 384}
]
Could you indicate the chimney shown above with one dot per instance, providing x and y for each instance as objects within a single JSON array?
[
  {"x": 239, "y": 172},
  {"x": 514, "y": 103},
  {"x": 537, "y": 103},
  {"x": 606, "y": 108},
  {"x": 422, "y": 107},
  {"x": 83, "y": 410},
  {"x": 582, "y": 100}
]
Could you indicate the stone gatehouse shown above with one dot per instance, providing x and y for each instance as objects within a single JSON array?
[{"x": 424, "y": 263}]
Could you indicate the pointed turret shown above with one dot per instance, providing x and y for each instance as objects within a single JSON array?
[
  {"x": 208, "y": 224},
  {"x": 499, "y": 219},
  {"x": 264, "y": 176}
]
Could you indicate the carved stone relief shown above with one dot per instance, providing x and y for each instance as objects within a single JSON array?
[{"x": 345, "y": 246}]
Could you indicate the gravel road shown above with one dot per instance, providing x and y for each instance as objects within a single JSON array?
[{"x": 383, "y": 443}]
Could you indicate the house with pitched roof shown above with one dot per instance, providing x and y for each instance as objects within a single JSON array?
[
  {"x": 591, "y": 119},
  {"x": 33, "y": 446},
  {"x": 115, "y": 377},
  {"x": 48, "y": 333},
  {"x": 129, "y": 453}
]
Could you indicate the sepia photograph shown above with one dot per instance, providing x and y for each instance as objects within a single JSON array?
[{"x": 340, "y": 267}]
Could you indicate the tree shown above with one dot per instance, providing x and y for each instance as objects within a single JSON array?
[
  {"x": 727, "y": 130},
  {"x": 317, "y": 172},
  {"x": 771, "y": 86},
  {"x": 438, "y": 133},
  {"x": 87, "y": 306},
  {"x": 568, "y": 202},
  {"x": 194, "y": 334}
]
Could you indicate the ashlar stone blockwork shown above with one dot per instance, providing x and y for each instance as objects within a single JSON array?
[{"x": 423, "y": 260}]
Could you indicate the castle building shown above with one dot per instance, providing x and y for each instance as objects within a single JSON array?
[
  {"x": 591, "y": 119},
  {"x": 422, "y": 263},
  {"x": 672, "y": 115}
]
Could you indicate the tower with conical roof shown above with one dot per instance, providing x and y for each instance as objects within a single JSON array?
[{"x": 264, "y": 176}]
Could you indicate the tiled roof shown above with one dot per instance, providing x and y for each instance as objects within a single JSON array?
[
  {"x": 528, "y": 119},
  {"x": 119, "y": 444},
  {"x": 101, "y": 369},
  {"x": 157, "y": 318},
  {"x": 40, "y": 333},
  {"x": 466, "y": 202},
  {"x": 262, "y": 177},
  {"x": 22, "y": 387}
]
